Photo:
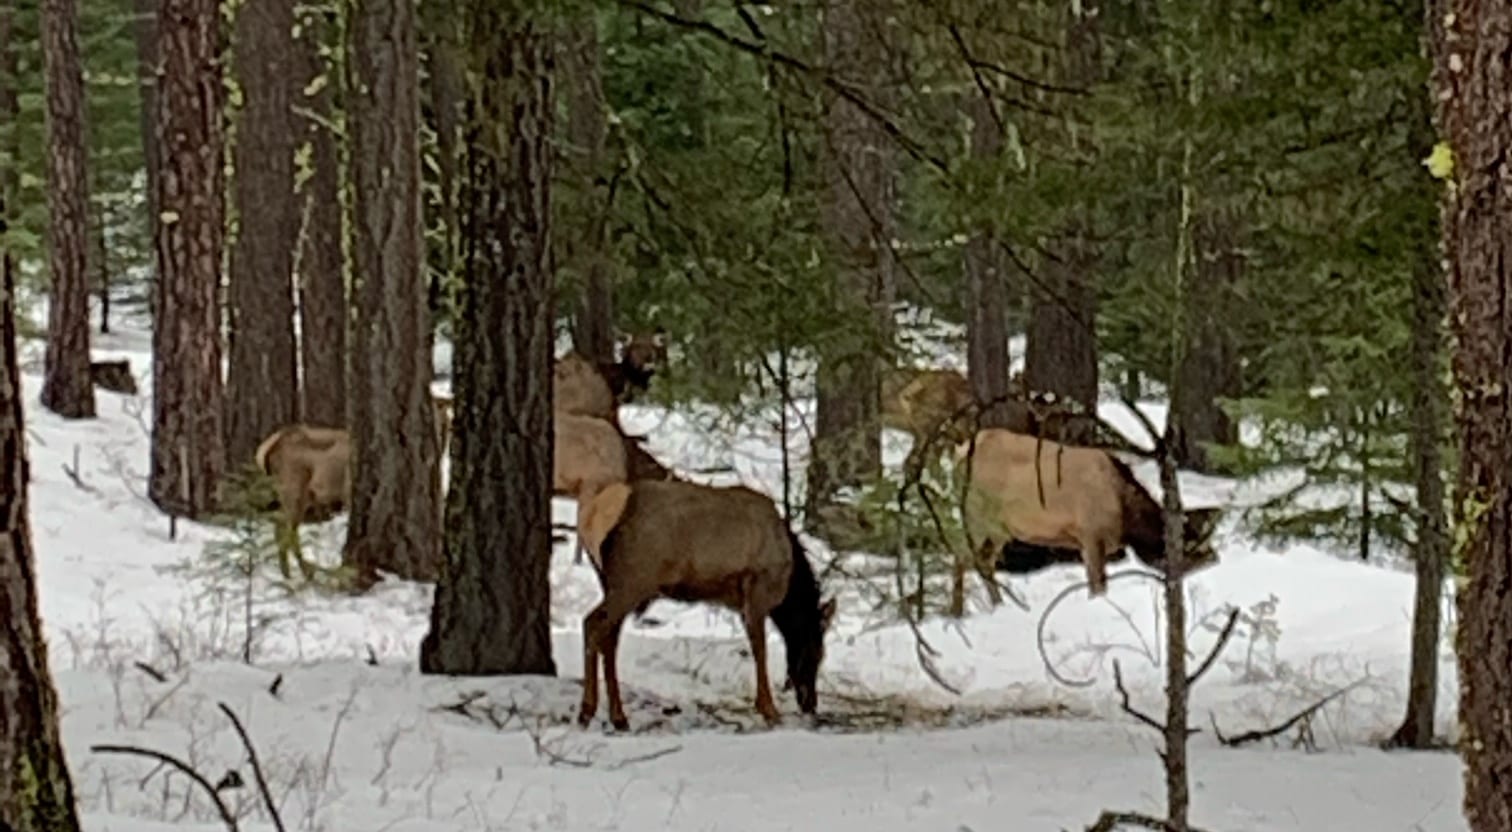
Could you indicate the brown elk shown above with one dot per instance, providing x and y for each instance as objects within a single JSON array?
[
  {"x": 1041, "y": 493},
  {"x": 690, "y": 542},
  {"x": 590, "y": 454},
  {"x": 587, "y": 388},
  {"x": 937, "y": 408},
  {"x": 312, "y": 478}
]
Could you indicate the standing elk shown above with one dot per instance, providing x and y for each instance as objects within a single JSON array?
[
  {"x": 585, "y": 388},
  {"x": 1038, "y": 492},
  {"x": 689, "y": 542}
]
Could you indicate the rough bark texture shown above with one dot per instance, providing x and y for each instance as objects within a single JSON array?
[
  {"x": 588, "y": 255},
  {"x": 1209, "y": 368},
  {"x": 395, "y": 520},
  {"x": 492, "y": 612},
  {"x": 1472, "y": 81},
  {"x": 987, "y": 300},
  {"x": 444, "y": 59},
  {"x": 1430, "y": 552},
  {"x": 36, "y": 793},
  {"x": 145, "y": 31},
  {"x": 262, "y": 392},
  {"x": 66, "y": 386},
  {"x": 1061, "y": 353},
  {"x": 188, "y": 438},
  {"x": 857, "y": 218},
  {"x": 322, "y": 268}
]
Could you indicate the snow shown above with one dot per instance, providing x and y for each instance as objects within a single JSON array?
[{"x": 356, "y": 739}]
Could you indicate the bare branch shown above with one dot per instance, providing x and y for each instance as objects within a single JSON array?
[
  {"x": 1223, "y": 639},
  {"x": 257, "y": 771},
  {"x": 1063, "y": 595},
  {"x": 226, "y": 816},
  {"x": 1267, "y": 733}
]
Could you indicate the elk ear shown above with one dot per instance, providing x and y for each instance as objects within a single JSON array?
[
  {"x": 659, "y": 337},
  {"x": 826, "y": 614}
]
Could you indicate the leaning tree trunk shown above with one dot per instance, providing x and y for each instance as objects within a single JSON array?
[
  {"x": 322, "y": 265},
  {"x": 1209, "y": 370},
  {"x": 145, "y": 30},
  {"x": 1060, "y": 356},
  {"x": 492, "y": 612},
  {"x": 1431, "y": 548},
  {"x": 588, "y": 253},
  {"x": 262, "y": 392},
  {"x": 36, "y": 792},
  {"x": 857, "y": 217},
  {"x": 188, "y": 450},
  {"x": 1472, "y": 60},
  {"x": 395, "y": 520},
  {"x": 66, "y": 386},
  {"x": 987, "y": 300}
]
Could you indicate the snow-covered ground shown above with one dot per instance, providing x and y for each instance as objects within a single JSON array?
[{"x": 353, "y": 738}]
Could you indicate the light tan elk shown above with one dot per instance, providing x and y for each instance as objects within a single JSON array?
[
  {"x": 1027, "y": 490},
  {"x": 591, "y": 454},
  {"x": 690, "y": 542},
  {"x": 937, "y": 408},
  {"x": 586, "y": 388}
]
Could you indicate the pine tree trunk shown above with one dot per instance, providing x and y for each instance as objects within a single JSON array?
[
  {"x": 593, "y": 330},
  {"x": 987, "y": 301},
  {"x": 395, "y": 518},
  {"x": 188, "y": 434},
  {"x": 36, "y": 792},
  {"x": 101, "y": 262},
  {"x": 322, "y": 266},
  {"x": 66, "y": 387},
  {"x": 492, "y": 612},
  {"x": 1061, "y": 354},
  {"x": 857, "y": 220},
  {"x": 1210, "y": 365},
  {"x": 446, "y": 105},
  {"x": 262, "y": 392},
  {"x": 1430, "y": 552},
  {"x": 1473, "y": 59},
  {"x": 146, "y": 34}
]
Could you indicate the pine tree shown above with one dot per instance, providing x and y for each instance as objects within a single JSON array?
[
  {"x": 587, "y": 255},
  {"x": 188, "y": 450},
  {"x": 395, "y": 518},
  {"x": 492, "y": 611},
  {"x": 67, "y": 388},
  {"x": 261, "y": 385}
]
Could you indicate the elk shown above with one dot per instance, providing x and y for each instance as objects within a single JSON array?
[
  {"x": 1034, "y": 491},
  {"x": 937, "y": 408},
  {"x": 311, "y": 467},
  {"x": 586, "y": 388},
  {"x": 690, "y": 542},
  {"x": 590, "y": 454}
]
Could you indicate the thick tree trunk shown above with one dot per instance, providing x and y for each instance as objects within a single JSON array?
[
  {"x": 588, "y": 256},
  {"x": 395, "y": 519},
  {"x": 188, "y": 434},
  {"x": 857, "y": 216},
  {"x": 1210, "y": 365},
  {"x": 66, "y": 386},
  {"x": 36, "y": 792},
  {"x": 262, "y": 392},
  {"x": 146, "y": 34},
  {"x": 1061, "y": 354},
  {"x": 1473, "y": 59},
  {"x": 1431, "y": 548},
  {"x": 322, "y": 267},
  {"x": 492, "y": 612},
  {"x": 987, "y": 300}
]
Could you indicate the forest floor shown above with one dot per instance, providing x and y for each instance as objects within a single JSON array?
[{"x": 145, "y": 640}]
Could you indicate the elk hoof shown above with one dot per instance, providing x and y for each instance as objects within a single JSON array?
[
  {"x": 620, "y": 723},
  {"x": 772, "y": 717},
  {"x": 585, "y": 716}
]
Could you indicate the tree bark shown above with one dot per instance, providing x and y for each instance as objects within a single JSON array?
[
  {"x": 188, "y": 436},
  {"x": 492, "y": 612},
  {"x": 857, "y": 219},
  {"x": 987, "y": 301},
  {"x": 262, "y": 392},
  {"x": 66, "y": 386},
  {"x": 446, "y": 94},
  {"x": 588, "y": 256},
  {"x": 1061, "y": 353},
  {"x": 1209, "y": 368},
  {"x": 146, "y": 32},
  {"x": 395, "y": 518},
  {"x": 1472, "y": 60},
  {"x": 1431, "y": 548},
  {"x": 36, "y": 792},
  {"x": 322, "y": 265}
]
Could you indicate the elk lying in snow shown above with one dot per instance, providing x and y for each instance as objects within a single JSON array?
[
  {"x": 586, "y": 388},
  {"x": 1045, "y": 494},
  {"x": 690, "y": 542},
  {"x": 312, "y": 476}
]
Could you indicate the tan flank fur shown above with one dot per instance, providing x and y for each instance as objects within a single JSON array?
[
  {"x": 690, "y": 542},
  {"x": 1076, "y": 498}
]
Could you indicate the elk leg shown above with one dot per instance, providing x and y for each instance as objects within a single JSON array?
[
  {"x": 755, "y": 625},
  {"x": 593, "y": 622},
  {"x": 1095, "y": 559},
  {"x": 611, "y": 677}
]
